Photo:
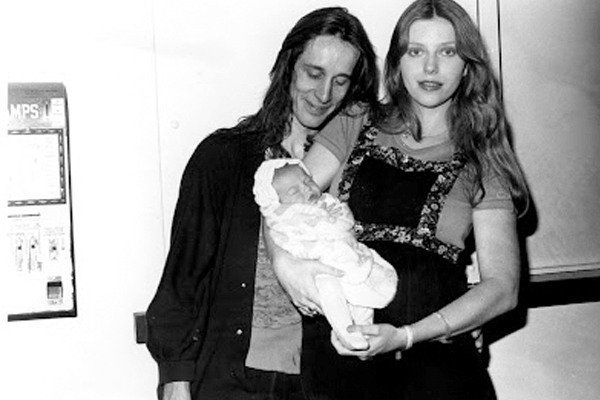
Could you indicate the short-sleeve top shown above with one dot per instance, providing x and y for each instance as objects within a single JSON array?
[{"x": 455, "y": 222}]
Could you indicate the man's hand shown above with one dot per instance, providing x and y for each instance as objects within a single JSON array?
[
  {"x": 177, "y": 391},
  {"x": 297, "y": 277}
]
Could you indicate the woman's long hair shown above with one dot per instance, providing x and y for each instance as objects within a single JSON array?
[
  {"x": 272, "y": 121},
  {"x": 476, "y": 117}
]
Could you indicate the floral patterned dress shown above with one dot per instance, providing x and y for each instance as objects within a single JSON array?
[{"x": 397, "y": 200}]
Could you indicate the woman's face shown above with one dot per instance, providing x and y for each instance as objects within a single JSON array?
[
  {"x": 431, "y": 67},
  {"x": 321, "y": 79}
]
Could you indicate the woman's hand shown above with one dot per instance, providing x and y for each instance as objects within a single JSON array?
[{"x": 382, "y": 338}]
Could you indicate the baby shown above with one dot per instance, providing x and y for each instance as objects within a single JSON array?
[{"x": 317, "y": 226}]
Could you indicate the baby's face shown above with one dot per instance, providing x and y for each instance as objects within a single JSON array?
[{"x": 294, "y": 186}]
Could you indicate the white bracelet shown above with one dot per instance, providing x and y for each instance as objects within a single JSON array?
[
  {"x": 447, "y": 327},
  {"x": 410, "y": 337}
]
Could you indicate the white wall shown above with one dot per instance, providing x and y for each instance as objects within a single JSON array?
[
  {"x": 550, "y": 60},
  {"x": 146, "y": 80},
  {"x": 550, "y": 69},
  {"x": 103, "y": 52}
]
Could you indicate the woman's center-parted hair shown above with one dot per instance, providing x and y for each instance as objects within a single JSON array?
[
  {"x": 469, "y": 44},
  {"x": 476, "y": 117}
]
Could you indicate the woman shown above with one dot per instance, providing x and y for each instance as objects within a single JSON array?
[
  {"x": 421, "y": 174},
  {"x": 219, "y": 326}
]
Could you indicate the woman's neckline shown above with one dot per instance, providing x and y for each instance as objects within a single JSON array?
[
  {"x": 425, "y": 144},
  {"x": 401, "y": 138},
  {"x": 397, "y": 140},
  {"x": 441, "y": 151}
]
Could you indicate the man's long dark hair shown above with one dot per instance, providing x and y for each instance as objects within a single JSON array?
[{"x": 272, "y": 121}]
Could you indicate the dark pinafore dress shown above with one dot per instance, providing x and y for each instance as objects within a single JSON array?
[{"x": 397, "y": 201}]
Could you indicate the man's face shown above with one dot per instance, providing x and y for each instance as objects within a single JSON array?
[{"x": 321, "y": 79}]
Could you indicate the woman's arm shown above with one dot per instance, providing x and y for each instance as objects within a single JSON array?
[
  {"x": 498, "y": 259},
  {"x": 322, "y": 164}
]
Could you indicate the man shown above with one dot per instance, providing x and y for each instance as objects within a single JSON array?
[{"x": 220, "y": 326}]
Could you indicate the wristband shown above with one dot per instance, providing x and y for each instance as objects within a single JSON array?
[
  {"x": 447, "y": 327},
  {"x": 410, "y": 337}
]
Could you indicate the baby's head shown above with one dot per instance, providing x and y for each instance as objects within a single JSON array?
[{"x": 294, "y": 185}]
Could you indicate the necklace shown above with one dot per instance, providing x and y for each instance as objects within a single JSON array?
[
  {"x": 408, "y": 134},
  {"x": 407, "y": 140}
]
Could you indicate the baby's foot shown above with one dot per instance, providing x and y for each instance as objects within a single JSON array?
[{"x": 354, "y": 341}]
